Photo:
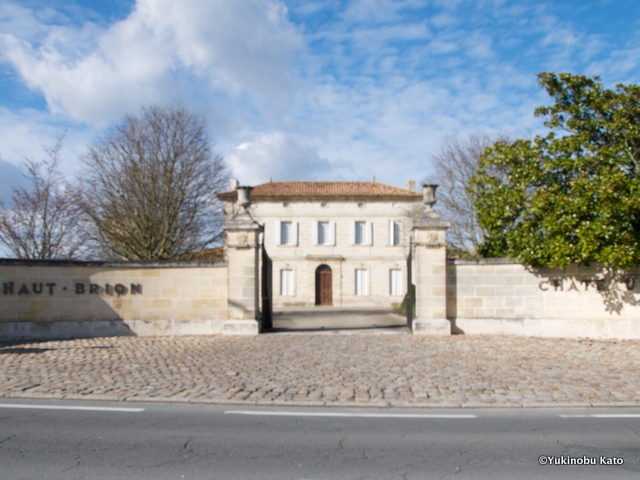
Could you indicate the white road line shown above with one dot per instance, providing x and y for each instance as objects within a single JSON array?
[
  {"x": 64, "y": 407},
  {"x": 348, "y": 415},
  {"x": 604, "y": 415}
]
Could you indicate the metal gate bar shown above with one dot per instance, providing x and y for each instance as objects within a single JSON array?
[
  {"x": 267, "y": 291},
  {"x": 409, "y": 297}
]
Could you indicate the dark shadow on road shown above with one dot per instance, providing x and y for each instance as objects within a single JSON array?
[
  {"x": 22, "y": 351},
  {"x": 24, "y": 347}
]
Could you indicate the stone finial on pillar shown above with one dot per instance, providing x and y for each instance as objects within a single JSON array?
[
  {"x": 429, "y": 197},
  {"x": 244, "y": 196},
  {"x": 430, "y": 254}
]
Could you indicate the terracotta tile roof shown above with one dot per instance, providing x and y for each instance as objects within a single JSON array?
[{"x": 325, "y": 189}]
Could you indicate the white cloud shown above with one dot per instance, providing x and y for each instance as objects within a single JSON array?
[
  {"x": 622, "y": 62},
  {"x": 279, "y": 156},
  {"x": 238, "y": 47},
  {"x": 25, "y": 134},
  {"x": 22, "y": 22},
  {"x": 379, "y": 11}
]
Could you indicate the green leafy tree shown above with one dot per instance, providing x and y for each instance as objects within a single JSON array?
[{"x": 572, "y": 195}]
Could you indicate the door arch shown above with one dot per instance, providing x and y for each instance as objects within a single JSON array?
[{"x": 324, "y": 285}]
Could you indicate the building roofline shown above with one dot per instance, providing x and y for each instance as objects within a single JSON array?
[{"x": 310, "y": 190}]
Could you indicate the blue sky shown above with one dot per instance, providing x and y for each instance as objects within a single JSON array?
[{"x": 314, "y": 89}]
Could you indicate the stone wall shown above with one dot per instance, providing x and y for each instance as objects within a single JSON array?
[
  {"x": 59, "y": 299},
  {"x": 499, "y": 296}
]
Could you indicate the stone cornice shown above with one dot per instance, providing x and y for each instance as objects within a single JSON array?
[{"x": 113, "y": 264}]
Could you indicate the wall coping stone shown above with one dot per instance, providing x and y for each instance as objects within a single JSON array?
[
  {"x": 113, "y": 264},
  {"x": 482, "y": 261}
]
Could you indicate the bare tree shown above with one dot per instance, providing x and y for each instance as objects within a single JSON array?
[
  {"x": 44, "y": 221},
  {"x": 454, "y": 165},
  {"x": 149, "y": 186}
]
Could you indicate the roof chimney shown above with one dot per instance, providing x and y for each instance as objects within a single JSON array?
[
  {"x": 411, "y": 185},
  {"x": 233, "y": 184}
]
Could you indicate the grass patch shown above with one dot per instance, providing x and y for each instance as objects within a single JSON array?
[{"x": 401, "y": 308}]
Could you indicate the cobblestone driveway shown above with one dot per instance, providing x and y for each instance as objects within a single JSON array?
[{"x": 394, "y": 370}]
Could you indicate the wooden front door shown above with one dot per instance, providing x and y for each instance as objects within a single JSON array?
[{"x": 324, "y": 290}]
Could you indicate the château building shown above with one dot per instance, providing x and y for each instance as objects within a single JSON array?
[{"x": 333, "y": 243}]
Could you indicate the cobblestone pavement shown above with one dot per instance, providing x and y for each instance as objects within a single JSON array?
[{"x": 324, "y": 370}]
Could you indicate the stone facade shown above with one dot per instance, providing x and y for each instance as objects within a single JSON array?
[{"x": 337, "y": 206}]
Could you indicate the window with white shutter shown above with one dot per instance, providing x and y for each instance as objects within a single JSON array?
[
  {"x": 360, "y": 234},
  {"x": 323, "y": 233},
  {"x": 332, "y": 233},
  {"x": 286, "y": 283},
  {"x": 294, "y": 233},
  {"x": 395, "y": 285},
  {"x": 394, "y": 232},
  {"x": 368, "y": 239},
  {"x": 362, "y": 282},
  {"x": 287, "y": 233}
]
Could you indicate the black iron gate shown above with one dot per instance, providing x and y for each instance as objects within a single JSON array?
[
  {"x": 267, "y": 290},
  {"x": 410, "y": 292}
]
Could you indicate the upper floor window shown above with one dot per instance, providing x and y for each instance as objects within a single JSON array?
[
  {"x": 394, "y": 232},
  {"x": 362, "y": 233},
  {"x": 286, "y": 232},
  {"x": 324, "y": 233}
]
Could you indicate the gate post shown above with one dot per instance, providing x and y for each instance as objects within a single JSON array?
[
  {"x": 430, "y": 253},
  {"x": 242, "y": 249}
]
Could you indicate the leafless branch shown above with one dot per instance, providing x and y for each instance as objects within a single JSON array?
[
  {"x": 149, "y": 186},
  {"x": 43, "y": 220},
  {"x": 454, "y": 165}
]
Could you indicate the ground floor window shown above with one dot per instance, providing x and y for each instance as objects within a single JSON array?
[
  {"x": 362, "y": 282},
  {"x": 395, "y": 285},
  {"x": 286, "y": 283}
]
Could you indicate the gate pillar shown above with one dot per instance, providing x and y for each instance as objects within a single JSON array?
[
  {"x": 242, "y": 250},
  {"x": 430, "y": 274}
]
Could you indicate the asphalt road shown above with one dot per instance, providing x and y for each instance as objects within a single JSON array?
[{"x": 67, "y": 440}]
